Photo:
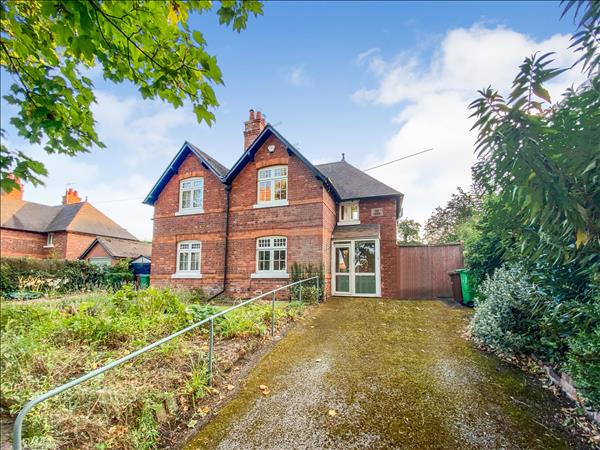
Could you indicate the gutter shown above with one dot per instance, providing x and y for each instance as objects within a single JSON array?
[{"x": 226, "y": 239}]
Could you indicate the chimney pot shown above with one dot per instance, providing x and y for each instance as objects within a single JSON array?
[
  {"x": 70, "y": 197},
  {"x": 253, "y": 127}
]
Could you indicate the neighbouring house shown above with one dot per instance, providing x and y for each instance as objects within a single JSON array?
[
  {"x": 42, "y": 231},
  {"x": 107, "y": 251},
  {"x": 240, "y": 229}
]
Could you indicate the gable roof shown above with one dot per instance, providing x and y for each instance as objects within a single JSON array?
[
  {"x": 80, "y": 217},
  {"x": 342, "y": 179},
  {"x": 352, "y": 183},
  {"x": 121, "y": 248},
  {"x": 218, "y": 169},
  {"x": 267, "y": 132}
]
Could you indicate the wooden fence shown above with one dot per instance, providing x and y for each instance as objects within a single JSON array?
[{"x": 422, "y": 270}]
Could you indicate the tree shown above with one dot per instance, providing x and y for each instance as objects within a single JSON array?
[
  {"x": 454, "y": 221},
  {"x": 408, "y": 231},
  {"x": 47, "y": 46},
  {"x": 543, "y": 158}
]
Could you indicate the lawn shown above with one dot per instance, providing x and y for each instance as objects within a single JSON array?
[{"x": 45, "y": 344}]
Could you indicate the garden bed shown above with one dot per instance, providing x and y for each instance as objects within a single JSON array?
[{"x": 135, "y": 405}]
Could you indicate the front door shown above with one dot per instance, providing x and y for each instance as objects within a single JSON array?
[{"x": 355, "y": 267}]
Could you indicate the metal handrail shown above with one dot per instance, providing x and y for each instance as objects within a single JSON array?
[{"x": 18, "y": 425}]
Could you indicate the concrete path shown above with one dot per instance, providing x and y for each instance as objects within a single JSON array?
[{"x": 364, "y": 373}]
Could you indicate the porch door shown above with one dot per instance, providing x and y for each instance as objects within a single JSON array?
[
  {"x": 356, "y": 267},
  {"x": 342, "y": 268}
]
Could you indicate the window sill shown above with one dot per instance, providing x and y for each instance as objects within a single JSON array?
[
  {"x": 49, "y": 246},
  {"x": 187, "y": 275},
  {"x": 271, "y": 205},
  {"x": 191, "y": 212},
  {"x": 349, "y": 222},
  {"x": 279, "y": 275}
]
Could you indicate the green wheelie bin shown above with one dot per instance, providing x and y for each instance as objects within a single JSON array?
[{"x": 467, "y": 293}]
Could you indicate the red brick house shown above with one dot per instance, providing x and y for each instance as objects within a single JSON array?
[
  {"x": 43, "y": 231},
  {"x": 107, "y": 251},
  {"x": 240, "y": 229}
]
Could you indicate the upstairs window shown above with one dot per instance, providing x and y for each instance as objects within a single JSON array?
[
  {"x": 50, "y": 240},
  {"x": 191, "y": 195},
  {"x": 349, "y": 213},
  {"x": 188, "y": 257},
  {"x": 271, "y": 254},
  {"x": 272, "y": 185}
]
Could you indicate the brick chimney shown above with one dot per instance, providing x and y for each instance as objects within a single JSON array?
[
  {"x": 70, "y": 197},
  {"x": 252, "y": 128},
  {"x": 16, "y": 193}
]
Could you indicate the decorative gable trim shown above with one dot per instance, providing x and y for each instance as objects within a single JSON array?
[
  {"x": 267, "y": 132},
  {"x": 173, "y": 167}
]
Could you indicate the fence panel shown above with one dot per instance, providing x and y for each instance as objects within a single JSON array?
[{"x": 422, "y": 270}]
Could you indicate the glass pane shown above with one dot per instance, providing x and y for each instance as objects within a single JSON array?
[
  {"x": 262, "y": 243},
  {"x": 184, "y": 246},
  {"x": 280, "y": 172},
  {"x": 194, "y": 261},
  {"x": 264, "y": 174},
  {"x": 186, "y": 185},
  {"x": 183, "y": 261},
  {"x": 197, "y": 203},
  {"x": 264, "y": 260},
  {"x": 364, "y": 284},
  {"x": 264, "y": 191},
  {"x": 354, "y": 212},
  {"x": 198, "y": 184},
  {"x": 281, "y": 189},
  {"x": 342, "y": 283},
  {"x": 342, "y": 259},
  {"x": 279, "y": 260},
  {"x": 364, "y": 256},
  {"x": 185, "y": 199},
  {"x": 279, "y": 242}
]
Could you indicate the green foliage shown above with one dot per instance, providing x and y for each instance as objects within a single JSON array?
[
  {"x": 57, "y": 276},
  {"x": 408, "y": 231},
  {"x": 47, "y": 344},
  {"x": 454, "y": 222},
  {"x": 302, "y": 272},
  {"x": 505, "y": 313},
  {"x": 49, "y": 46}
]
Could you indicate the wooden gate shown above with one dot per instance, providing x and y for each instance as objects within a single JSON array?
[{"x": 422, "y": 270}]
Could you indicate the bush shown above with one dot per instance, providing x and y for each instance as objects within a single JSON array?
[
  {"x": 302, "y": 272},
  {"x": 51, "y": 276},
  {"x": 505, "y": 312}
]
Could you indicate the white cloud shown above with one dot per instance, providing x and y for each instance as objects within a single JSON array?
[
  {"x": 298, "y": 77},
  {"x": 433, "y": 96}
]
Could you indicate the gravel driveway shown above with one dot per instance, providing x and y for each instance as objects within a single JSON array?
[{"x": 364, "y": 373}]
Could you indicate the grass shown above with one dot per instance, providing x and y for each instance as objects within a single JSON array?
[{"x": 45, "y": 344}]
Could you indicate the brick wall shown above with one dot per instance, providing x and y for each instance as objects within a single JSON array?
[
  {"x": 208, "y": 227},
  {"x": 387, "y": 240},
  {"x": 16, "y": 243}
]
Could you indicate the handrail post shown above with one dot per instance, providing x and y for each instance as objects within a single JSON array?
[
  {"x": 273, "y": 315},
  {"x": 318, "y": 290},
  {"x": 211, "y": 343}
]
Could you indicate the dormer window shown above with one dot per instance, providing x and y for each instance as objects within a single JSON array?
[
  {"x": 272, "y": 186},
  {"x": 191, "y": 196},
  {"x": 349, "y": 213}
]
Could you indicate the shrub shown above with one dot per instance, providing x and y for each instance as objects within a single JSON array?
[
  {"x": 304, "y": 271},
  {"x": 505, "y": 314}
]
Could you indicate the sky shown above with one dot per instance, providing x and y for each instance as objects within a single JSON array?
[{"x": 374, "y": 80}]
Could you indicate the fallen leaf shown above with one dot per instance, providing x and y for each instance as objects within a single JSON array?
[
  {"x": 192, "y": 423},
  {"x": 262, "y": 387},
  {"x": 266, "y": 392},
  {"x": 230, "y": 387},
  {"x": 332, "y": 412},
  {"x": 318, "y": 360}
]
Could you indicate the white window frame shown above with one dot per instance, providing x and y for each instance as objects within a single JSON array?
[
  {"x": 271, "y": 179},
  {"x": 349, "y": 206},
  {"x": 271, "y": 244},
  {"x": 191, "y": 210},
  {"x": 186, "y": 247},
  {"x": 49, "y": 240}
]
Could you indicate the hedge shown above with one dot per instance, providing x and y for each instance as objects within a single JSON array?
[{"x": 59, "y": 276}]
